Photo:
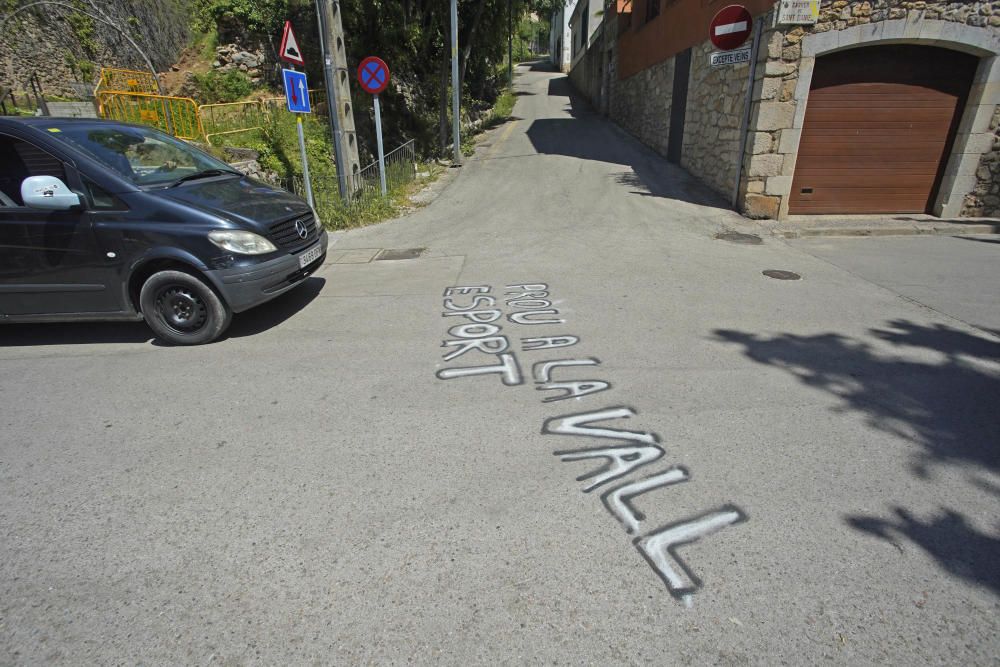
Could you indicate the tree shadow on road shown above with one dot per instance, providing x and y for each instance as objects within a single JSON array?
[
  {"x": 945, "y": 405},
  {"x": 587, "y": 135},
  {"x": 959, "y": 547},
  {"x": 946, "y": 408}
]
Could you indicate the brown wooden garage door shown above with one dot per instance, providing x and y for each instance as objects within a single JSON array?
[{"x": 880, "y": 122}]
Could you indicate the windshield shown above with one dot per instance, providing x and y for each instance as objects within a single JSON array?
[{"x": 143, "y": 155}]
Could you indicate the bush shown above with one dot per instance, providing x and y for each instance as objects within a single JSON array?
[{"x": 215, "y": 87}]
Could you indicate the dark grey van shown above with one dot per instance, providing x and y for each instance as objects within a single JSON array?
[{"x": 102, "y": 220}]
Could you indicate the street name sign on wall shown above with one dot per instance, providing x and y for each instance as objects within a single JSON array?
[
  {"x": 798, "y": 12},
  {"x": 736, "y": 57},
  {"x": 730, "y": 27}
]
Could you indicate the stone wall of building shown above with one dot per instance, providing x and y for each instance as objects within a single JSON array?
[
  {"x": 984, "y": 200},
  {"x": 641, "y": 104},
  {"x": 715, "y": 103},
  {"x": 769, "y": 162},
  {"x": 587, "y": 74}
]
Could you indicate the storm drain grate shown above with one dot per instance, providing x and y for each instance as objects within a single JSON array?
[
  {"x": 779, "y": 274},
  {"x": 403, "y": 253},
  {"x": 737, "y": 237}
]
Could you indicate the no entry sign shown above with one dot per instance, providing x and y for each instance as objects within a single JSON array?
[
  {"x": 730, "y": 27},
  {"x": 373, "y": 75}
]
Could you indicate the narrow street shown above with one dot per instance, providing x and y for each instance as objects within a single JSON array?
[{"x": 362, "y": 473}]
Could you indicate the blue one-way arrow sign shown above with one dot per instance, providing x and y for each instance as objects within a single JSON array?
[{"x": 296, "y": 91}]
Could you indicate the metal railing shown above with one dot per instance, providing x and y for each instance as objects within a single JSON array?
[
  {"x": 235, "y": 117},
  {"x": 232, "y": 117},
  {"x": 400, "y": 168},
  {"x": 174, "y": 115}
]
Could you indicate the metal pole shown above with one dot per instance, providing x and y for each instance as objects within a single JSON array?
[
  {"x": 510, "y": 42},
  {"x": 757, "y": 29},
  {"x": 378, "y": 139},
  {"x": 456, "y": 92},
  {"x": 326, "y": 39},
  {"x": 305, "y": 161}
]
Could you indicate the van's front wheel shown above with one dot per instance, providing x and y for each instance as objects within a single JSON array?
[{"x": 182, "y": 309}]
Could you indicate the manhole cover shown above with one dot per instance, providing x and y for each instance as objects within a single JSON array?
[
  {"x": 404, "y": 253},
  {"x": 737, "y": 237},
  {"x": 778, "y": 274}
]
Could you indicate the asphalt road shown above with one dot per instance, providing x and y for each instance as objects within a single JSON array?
[{"x": 347, "y": 478}]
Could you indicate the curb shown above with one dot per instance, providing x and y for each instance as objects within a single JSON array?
[{"x": 934, "y": 230}]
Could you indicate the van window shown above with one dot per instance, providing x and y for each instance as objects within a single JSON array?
[
  {"x": 101, "y": 199},
  {"x": 20, "y": 161},
  {"x": 142, "y": 155}
]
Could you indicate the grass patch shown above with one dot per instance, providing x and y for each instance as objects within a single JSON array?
[{"x": 498, "y": 115}]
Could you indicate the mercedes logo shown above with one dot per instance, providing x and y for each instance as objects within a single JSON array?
[{"x": 301, "y": 228}]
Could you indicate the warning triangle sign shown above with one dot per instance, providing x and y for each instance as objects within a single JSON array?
[{"x": 290, "y": 50}]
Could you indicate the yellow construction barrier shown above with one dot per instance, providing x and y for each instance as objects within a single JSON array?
[
  {"x": 132, "y": 96},
  {"x": 126, "y": 81},
  {"x": 232, "y": 117},
  {"x": 175, "y": 115}
]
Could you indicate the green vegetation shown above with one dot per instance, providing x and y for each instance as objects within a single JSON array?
[
  {"x": 83, "y": 69},
  {"x": 413, "y": 37},
  {"x": 242, "y": 16},
  {"x": 207, "y": 41},
  {"x": 83, "y": 29},
  {"x": 215, "y": 87},
  {"x": 278, "y": 148}
]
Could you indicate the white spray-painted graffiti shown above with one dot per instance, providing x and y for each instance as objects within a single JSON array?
[{"x": 534, "y": 306}]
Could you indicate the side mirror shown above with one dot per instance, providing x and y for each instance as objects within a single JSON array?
[{"x": 48, "y": 193}]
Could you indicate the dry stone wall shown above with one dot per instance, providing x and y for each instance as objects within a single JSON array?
[{"x": 41, "y": 40}]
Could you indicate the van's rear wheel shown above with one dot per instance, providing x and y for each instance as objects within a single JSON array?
[{"x": 182, "y": 309}]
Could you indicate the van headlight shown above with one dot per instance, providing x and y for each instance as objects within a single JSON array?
[
  {"x": 316, "y": 221},
  {"x": 242, "y": 243}
]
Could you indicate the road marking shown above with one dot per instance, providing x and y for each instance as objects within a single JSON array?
[
  {"x": 503, "y": 138},
  {"x": 616, "y": 460}
]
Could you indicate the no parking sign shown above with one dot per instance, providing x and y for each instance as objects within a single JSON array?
[{"x": 373, "y": 75}]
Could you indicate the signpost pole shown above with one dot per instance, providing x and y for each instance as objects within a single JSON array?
[
  {"x": 456, "y": 92},
  {"x": 510, "y": 43},
  {"x": 305, "y": 161},
  {"x": 378, "y": 138},
  {"x": 744, "y": 124}
]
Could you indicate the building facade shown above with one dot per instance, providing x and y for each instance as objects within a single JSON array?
[
  {"x": 876, "y": 107},
  {"x": 561, "y": 37}
]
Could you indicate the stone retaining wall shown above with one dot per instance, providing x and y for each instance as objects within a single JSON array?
[{"x": 39, "y": 40}]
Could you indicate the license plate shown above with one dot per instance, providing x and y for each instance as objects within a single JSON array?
[{"x": 310, "y": 256}]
